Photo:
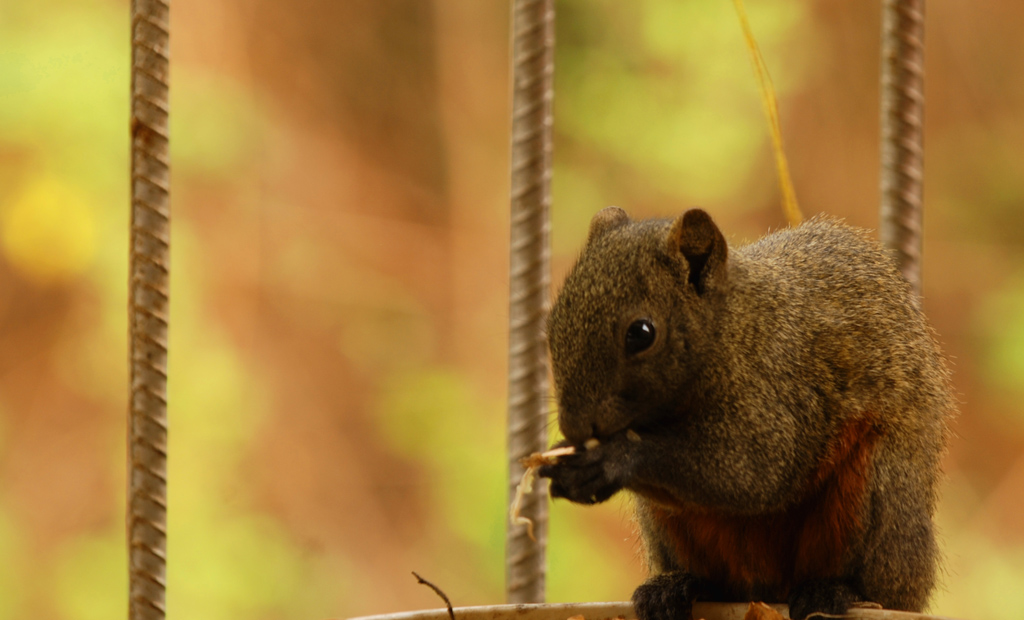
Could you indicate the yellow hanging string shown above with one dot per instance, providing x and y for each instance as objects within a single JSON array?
[{"x": 771, "y": 111}]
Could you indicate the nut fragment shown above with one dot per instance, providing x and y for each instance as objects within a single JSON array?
[
  {"x": 761, "y": 611},
  {"x": 591, "y": 443},
  {"x": 537, "y": 459},
  {"x": 532, "y": 463},
  {"x": 632, "y": 436}
]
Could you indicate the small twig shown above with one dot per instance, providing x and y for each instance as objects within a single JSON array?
[{"x": 451, "y": 612}]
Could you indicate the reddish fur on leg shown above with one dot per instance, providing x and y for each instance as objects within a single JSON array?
[{"x": 779, "y": 550}]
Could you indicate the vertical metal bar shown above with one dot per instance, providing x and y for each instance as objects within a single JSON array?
[
  {"x": 532, "y": 72},
  {"x": 902, "y": 133},
  {"x": 148, "y": 311}
]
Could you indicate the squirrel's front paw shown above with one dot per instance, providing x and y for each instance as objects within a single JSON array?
[
  {"x": 668, "y": 596},
  {"x": 586, "y": 477}
]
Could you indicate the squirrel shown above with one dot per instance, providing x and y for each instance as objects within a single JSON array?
[{"x": 778, "y": 411}]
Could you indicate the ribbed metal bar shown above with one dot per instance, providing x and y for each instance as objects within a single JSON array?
[
  {"x": 147, "y": 312},
  {"x": 902, "y": 177},
  {"x": 532, "y": 72}
]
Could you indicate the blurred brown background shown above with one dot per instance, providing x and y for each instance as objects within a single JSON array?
[{"x": 339, "y": 264}]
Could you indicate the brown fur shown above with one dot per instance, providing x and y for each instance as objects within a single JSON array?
[
  {"x": 755, "y": 464},
  {"x": 810, "y": 537}
]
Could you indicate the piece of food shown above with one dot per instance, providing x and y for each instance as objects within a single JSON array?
[
  {"x": 539, "y": 459},
  {"x": 762, "y": 611},
  {"x": 532, "y": 463}
]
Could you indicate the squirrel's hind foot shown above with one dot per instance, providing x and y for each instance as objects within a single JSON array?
[
  {"x": 668, "y": 596},
  {"x": 829, "y": 597}
]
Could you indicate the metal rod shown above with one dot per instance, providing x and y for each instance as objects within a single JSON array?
[
  {"x": 902, "y": 172},
  {"x": 532, "y": 72},
  {"x": 148, "y": 311}
]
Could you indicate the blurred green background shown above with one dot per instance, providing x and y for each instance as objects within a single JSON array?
[{"x": 338, "y": 328}]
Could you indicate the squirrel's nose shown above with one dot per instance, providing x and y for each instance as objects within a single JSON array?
[
  {"x": 576, "y": 428},
  {"x": 594, "y": 422},
  {"x": 610, "y": 428}
]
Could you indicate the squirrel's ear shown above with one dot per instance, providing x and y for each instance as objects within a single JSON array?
[
  {"x": 606, "y": 220},
  {"x": 695, "y": 236}
]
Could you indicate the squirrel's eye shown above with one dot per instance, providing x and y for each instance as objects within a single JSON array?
[{"x": 639, "y": 336}]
